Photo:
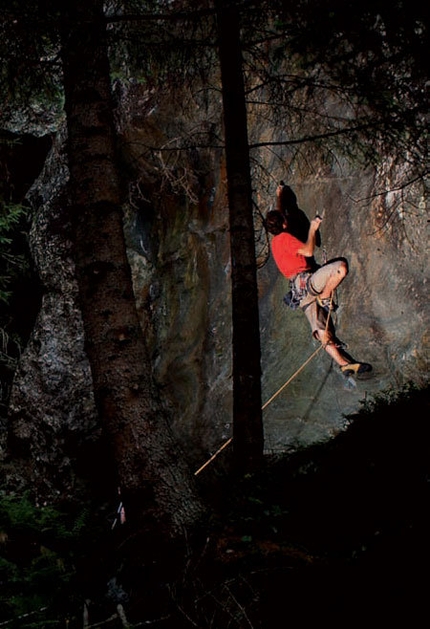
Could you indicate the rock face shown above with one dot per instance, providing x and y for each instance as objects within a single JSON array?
[
  {"x": 178, "y": 241},
  {"x": 52, "y": 413},
  {"x": 382, "y": 309}
]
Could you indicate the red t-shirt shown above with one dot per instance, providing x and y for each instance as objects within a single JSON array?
[{"x": 284, "y": 251}]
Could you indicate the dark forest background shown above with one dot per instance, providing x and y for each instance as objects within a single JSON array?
[{"x": 336, "y": 532}]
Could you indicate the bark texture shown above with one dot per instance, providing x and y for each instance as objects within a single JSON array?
[
  {"x": 247, "y": 415},
  {"x": 156, "y": 484}
]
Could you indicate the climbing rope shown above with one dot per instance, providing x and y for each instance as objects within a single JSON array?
[
  {"x": 292, "y": 377},
  {"x": 213, "y": 456},
  {"x": 295, "y": 374}
]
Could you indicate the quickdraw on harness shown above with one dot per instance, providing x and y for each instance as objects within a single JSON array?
[{"x": 299, "y": 288}]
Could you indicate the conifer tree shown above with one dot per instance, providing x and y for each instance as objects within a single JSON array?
[
  {"x": 125, "y": 394},
  {"x": 248, "y": 437},
  {"x": 157, "y": 487}
]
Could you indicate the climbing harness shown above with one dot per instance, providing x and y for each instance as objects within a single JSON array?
[{"x": 296, "y": 373}]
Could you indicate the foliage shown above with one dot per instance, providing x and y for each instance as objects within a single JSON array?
[
  {"x": 165, "y": 45},
  {"x": 328, "y": 77},
  {"x": 13, "y": 263},
  {"x": 39, "y": 546},
  {"x": 331, "y": 80},
  {"x": 343, "y": 524},
  {"x": 390, "y": 398},
  {"x": 373, "y": 55},
  {"x": 348, "y": 516},
  {"x": 30, "y": 75},
  {"x": 15, "y": 269}
]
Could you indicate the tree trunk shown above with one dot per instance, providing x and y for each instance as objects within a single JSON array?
[
  {"x": 157, "y": 487},
  {"x": 247, "y": 415}
]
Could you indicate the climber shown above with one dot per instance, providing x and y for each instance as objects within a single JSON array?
[{"x": 311, "y": 286}]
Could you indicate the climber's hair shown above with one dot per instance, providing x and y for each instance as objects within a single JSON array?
[{"x": 275, "y": 222}]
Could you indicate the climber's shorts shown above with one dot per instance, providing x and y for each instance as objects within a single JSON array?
[{"x": 317, "y": 316}]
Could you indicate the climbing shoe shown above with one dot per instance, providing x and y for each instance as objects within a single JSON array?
[
  {"x": 356, "y": 369},
  {"x": 326, "y": 304}
]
